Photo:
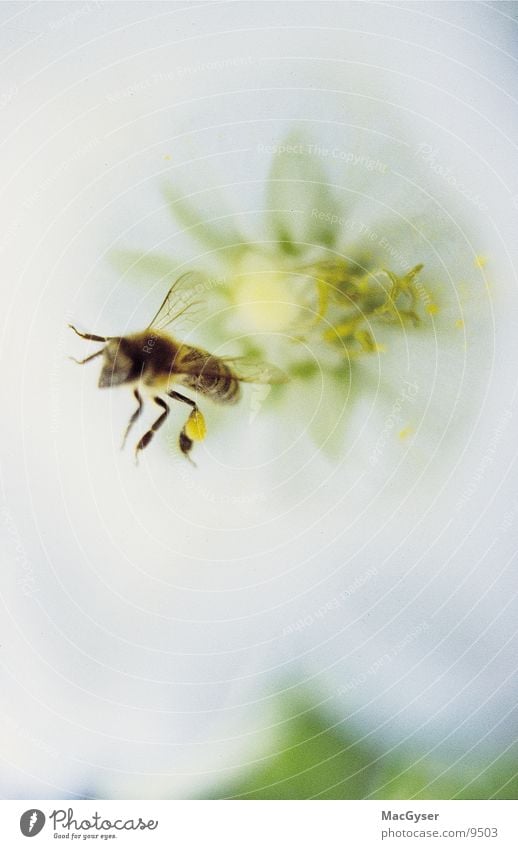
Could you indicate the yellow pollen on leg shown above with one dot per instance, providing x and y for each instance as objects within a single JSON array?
[{"x": 196, "y": 429}]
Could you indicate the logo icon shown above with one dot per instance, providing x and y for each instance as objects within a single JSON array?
[{"x": 31, "y": 822}]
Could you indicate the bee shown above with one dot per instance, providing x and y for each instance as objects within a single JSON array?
[{"x": 152, "y": 362}]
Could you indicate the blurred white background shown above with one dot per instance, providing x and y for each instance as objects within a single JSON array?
[{"x": 150, "y": 615}]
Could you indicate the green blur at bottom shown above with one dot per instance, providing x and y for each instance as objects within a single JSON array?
[{"x": 314, "y": 762}]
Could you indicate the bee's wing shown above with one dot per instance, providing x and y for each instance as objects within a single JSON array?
[
  {"x": 244, "y": 369},
  {"x": 178, "y": 300}
]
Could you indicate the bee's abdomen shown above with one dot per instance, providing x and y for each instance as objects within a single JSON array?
[
  {"x": 213, "y": 378},
  {"x": 223, "y": 388}
]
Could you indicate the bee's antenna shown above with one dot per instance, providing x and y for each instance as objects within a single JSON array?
[
  {"x": 86, "y": 359},
  {"x": 92, "y": 336}
]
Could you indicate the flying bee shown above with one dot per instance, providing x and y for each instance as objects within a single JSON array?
[{"x": 152, "y": 362}]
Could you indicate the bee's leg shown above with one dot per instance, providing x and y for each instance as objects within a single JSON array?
[
  {"x": 134, "y": 417},
  {"x": 86, "y": 359},
  {"x": 92, "y": 336},
  {"x": 148, "y": 436},
  {"x": 179, "y": 397},
  {"x": 184, "y": 441}
]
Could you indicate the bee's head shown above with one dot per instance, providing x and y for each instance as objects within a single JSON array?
[{"x": 117, "y": 364}]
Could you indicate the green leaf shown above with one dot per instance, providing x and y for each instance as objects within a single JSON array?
[
  {"x": 310, "y": 760},
  {"x": 315, "y": 757},
  {"x": 302, "y": 206},
  {"x": 141, "y": 264},
  {"x": 189, "y": 212}
]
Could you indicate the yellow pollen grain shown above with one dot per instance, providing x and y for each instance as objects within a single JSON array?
[
  {"x": 196, "y": 429},
  {"x": 406, "y": 432},
  {"x": 432, "y": 309},
  {"x": 459, "y": 323},
  {"x": 480, "y": 261}
]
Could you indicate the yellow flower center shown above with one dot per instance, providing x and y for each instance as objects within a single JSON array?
[{"x": 266, "y": 300}]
